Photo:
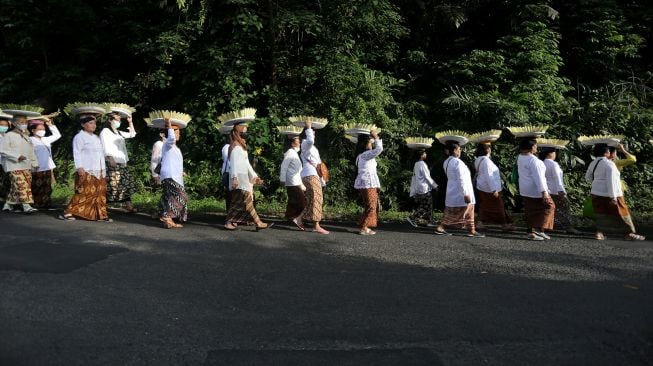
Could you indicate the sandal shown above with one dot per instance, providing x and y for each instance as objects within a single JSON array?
[
  {"x": 534, "y": 237},
  {"x": 230, "y": 226},
  {"x": 442, "y": 232},
  {"x": 321, "y": 231},
  {"x": 106, "y": 220},
  {"x": 264, "y": 226},
  {"x": 66, "y": 217},
  {"x": 635, "y": 237},
  {"x": 169, "y": 224},
  {"x": 299, "y": 226},
  {"x": 476, "y": 235},
  {"x": 599, "y": 236},
  {"x": 367, "y": 231}
]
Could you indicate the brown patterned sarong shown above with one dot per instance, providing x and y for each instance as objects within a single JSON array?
[
  {"x": 174, "y": 201},
  {"x": 241, "y": 209},
  {"x": 314, "y": 199},
  {"x": 424, "y": 209},
  {"x": 296, "y": 202},
  {"x": 20, "y": 187},
  {"x": 459, "y": 217},
  {"x": 562, "y": 219},
  {"x": 90, "y": 199},
  {"x": 492, "y": 209},
  {"x": 120, "y": 184},
  {"x": 369, "y": 217},
  {"x": 609, "y": 215},
  {"x": 538, "y": 214},
  {"x": 42, "y": 188}
]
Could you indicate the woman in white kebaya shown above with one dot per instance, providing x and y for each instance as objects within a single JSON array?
[
  {"x": 242, "y": 179},
  {"x": 310, "y": 160},
  {"x": 421, "y": 186},
  {"x": 290, "y": 176},
  {"x": 90, "y": 199},
  {"x": 488, "y": 184},
  {"x": 367, "y": 181},
  {"x": 555, "y": 183},
  {"x": 539, "y": 209},
  {"x": 121, "y": 186},
  {"x": 173, "y": 207},
  {"x": 460, "y": 200},
  {"x": 42, "y": 177}
]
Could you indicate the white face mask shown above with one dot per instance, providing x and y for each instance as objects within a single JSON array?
[
  {"x": 21, "y": 127},
  {"x": 116, "y": 124},
  {"x": 296, "y": 148},
  {"x": 40, "y": 133}
]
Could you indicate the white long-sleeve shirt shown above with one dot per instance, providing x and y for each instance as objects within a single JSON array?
[
  {"x": 421, "y": 182},
  {"x": 605, "y": 179},
  {"x": 225, "y": 159},
  {"x": 172, "y": 161},
  {"x": 14, "y": 145},
  {"x": 554, "y": 180},
  {"x": 459, "y": 183},
  {"x": 291, "y": 167},
  {"x": 532, "y": 176},
  {"x": 488, "y": 177},
  {"x": 43, "y": 149},
  {"x": 114, "y": 144},
  {"x": 241, "y": 169},
  {"x": 366, "y": 163},
  {"x": 89, "y": 154},
  {"x": 310, "y": 155},
  {"x": 155, "y": 159}
]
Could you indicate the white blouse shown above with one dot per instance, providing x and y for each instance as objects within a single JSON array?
[
  {"x": 554, "y": 180},
  {"x": 114, "y": 144},
  {"x": 14, "y": 145},
  {"x": 488, "y": 177},
  {"x": 605, "y": 179},
  {"x": 43, "y": 149},
  {"x": 532, "y": 176},
  {"x": 366, "y": 163},
  {"x": 291, "y": 167},
  {"x": 225, "y": 159},
  {"x": 421, "y": 183},
  {"x": 309, "y": 154},
  {"x": 459, "y": 183},
  {"x": 157, "y": 150},
  {"x": 89, "y": 154},
  {"x": 172, "y": 161},
  {"x": 241, "y": 169}
]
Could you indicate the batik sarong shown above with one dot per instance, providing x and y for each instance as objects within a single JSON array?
[{"x": 90, "y": 199}]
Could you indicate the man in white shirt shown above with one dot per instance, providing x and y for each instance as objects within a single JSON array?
[{"x": 539, "y": 208}]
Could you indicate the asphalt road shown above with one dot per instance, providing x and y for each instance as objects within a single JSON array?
[{"x": 133, "y": 293}]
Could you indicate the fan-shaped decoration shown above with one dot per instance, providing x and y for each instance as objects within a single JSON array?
[
  {"x": 122, "y": 109},
  {"x": 290, "y": 130},
  {"x": 485, "y": 137},
  {"x": 417, "y": 143},
  {"x": 77, "y": 108},
  {"x": 610, "y": 140},
  {"x": 460, "y": 137},
  {"x": 352, "y": 139},
  {"x": 554, "y": 143},
  {"x": 237, "y": 117},
  {"x": 355, "y": 129},
  {"x": 26, "y": 110},
  {"x": 176, "y": 118},
  {"x": 317, "y": 123},
  {"x": 533, "y": 131}
]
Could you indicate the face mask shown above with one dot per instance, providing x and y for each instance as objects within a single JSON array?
[
  {"x": 243, "y": 134},
  {"x": 4, "y": 129},
  {"x": 116, "y": 124},
  {"x": 22, "y": 127},
  {"x": 296, "y": 148},
  {"x": 40, "y": 133}
]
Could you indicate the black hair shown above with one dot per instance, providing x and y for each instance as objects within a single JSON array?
[
  {"x": 86, "y": 119},
  {"x": 545, "y": 151},
  {"x": 361, "y": 145},
  {"x": 600, "y": 150},
  {"x": 418, "y": 155},
  {"x": 482, "y": 149},
  {"x": 109, "y": 118},
  {"x": 287, "y": 145},
  {"x": 612, "y": 148},
  {"x": 527, "y": 144},
  {"x": 450, "y": 146}
]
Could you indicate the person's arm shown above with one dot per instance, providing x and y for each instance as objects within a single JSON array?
[
  {"x": 540, "y": 178},
  {"x": 629, "y": 159},
  {"x": 371, "y": 154},
  {"x": 283, "y": 172},
  {"x": 455, "y": 174},
  {"x": 78, "y": 146},
  {"x": 559, "y": 180},
  {"x": 424, "y": 171},
  {"x": 614, "y": 184},
  {"x": 309, "y": 141},
  {"x": 56, "y": 135},
  {"x": 6, "y": 152},
  {"x": 155, "y": 159},
  {"x": 132, "y": 131},
  {"x": 589, "y": 174}
]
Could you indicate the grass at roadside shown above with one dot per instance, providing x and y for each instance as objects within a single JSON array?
[{"x": 148, "y": 201}]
